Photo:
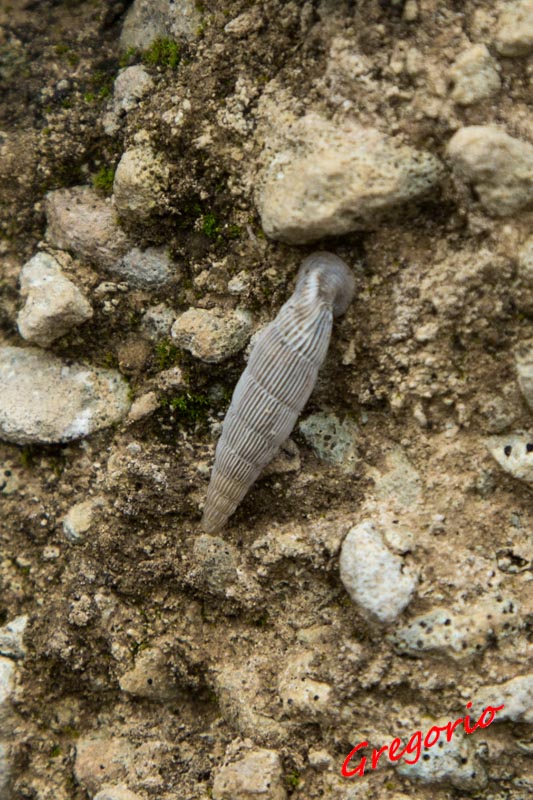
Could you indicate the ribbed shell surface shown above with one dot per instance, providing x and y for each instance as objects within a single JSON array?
[{"x": 276, "y": 384}]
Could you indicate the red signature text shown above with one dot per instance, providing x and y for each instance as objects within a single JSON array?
[{"x": 412, "y": 751}]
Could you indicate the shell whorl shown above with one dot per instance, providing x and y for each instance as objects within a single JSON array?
[{"x": 276, "y": 384}]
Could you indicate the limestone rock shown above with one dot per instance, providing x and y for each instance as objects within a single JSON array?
[
  {"x": 514, "y": 34},
  {"x": 516, "y": 695},
  {"x": 143, "y": 406},
  {"x": 524, "y": 368},
  {"x": 216, "y": 563},
  {"x": 148, "y": 20},
  {"x": 80, "y": 518},
  {"x": 7, "y": 686},
  {"x": 373, "y": 576},
  {"x": 212, "y": 336},
  {"x": 85, "y": 224},
  {"x": 157, "y": 322},
  {"x": 454, "y": 762},
  {"x": 499, "y": 166},
  {"x": 332, "y": 179},
  {"x": 460, "y": 633},
  {"x": 303, "y": 697},
  {"x": 54, "y": 304},
  {"x": 475, "y": 76},
  {"x": 140, "y": 182},
  {"x": 45, "y": 400},
  {"x": 144, "y": 269},
  {"x": 514, "y": 453},
  {"x": 102, "y": 759},
  {"x": 333, "y": 440},
  {"x": 257, "y": 776},
  {"x": 150, "y": 677},
  {"x": 11, "y": 638},
  {"x": 131, "y": 85}
]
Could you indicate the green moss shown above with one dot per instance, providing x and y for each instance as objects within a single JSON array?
[
  {"x": 103, "y": 180},
  {"x": 128, "y": 57},
  {"x": 163, "y": 53},
  {"x": 55, "y": 752},
  {"x": 166, "y": 354},
  {"x": 27, "y": 456},
  {"x": 210, "y": 226},
  {"x": 189, "y": 408},
  {"x": 292, "y": 779}
]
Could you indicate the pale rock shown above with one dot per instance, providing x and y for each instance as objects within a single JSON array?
[
  {"x": 80, "y": 518},
  {"x": 45, "y": 400},
  {"x": 459, "y": 633},
  {"x": 101, "y": 760},
  {"x": 331, "y": 179},
  {"x": 374, "y": 577},
  {"x": 257, "y": 776},
  {"x": 12, "y": 638},
  {"x": 157, "y": 321},
  {"x": 140, "y": 183},
  {"x": 246, "y": 23},
  {"x": 334, "y": 441},
  {"x": 171, "y": 379},
  {"x": 524, "y": 368},
  {"x": 514, "y": 454},
  {"x": 302, "y": 696},
  {"x": 85, "y": 224},
  {"x": 54, "y": 304},
  {"x": 145, "y": 269},
  {"x": 516, "y": 695},
  {"x": 319, "y": 759},
  {"x": 396, "y": 480},
  {"x": 514, "y": 33},
  {"x": 525, "y": 262},
  {"x": 148, "y": 20},
  {"x": 212, "y": 336},
  {"x": 10, "y": 479},
  {"x": 119, "y": 792},
  {"x": 7, "y": 687},
  {"x": 499, "y": 166},
  {"x": 474, "y": 75},
  {"x": 143, "y": 406},
  {"x": 131, "y": 85},
  {"x": 454, "y": 762},
  {"x": 150, "y": 677}
]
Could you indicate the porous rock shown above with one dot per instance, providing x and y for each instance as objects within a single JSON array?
[
  {"x": 460, "y": 633},
  {"x": 157, "y": 322},
  {"x": 143, "y": 406},
  {"x": 514, "y": 454},
  {"x": 54, "y": 304},
  {"x": 452, "y": 762},
  {"x": 85, "y": 224},
  {"x": 7, "y": 685},
  {"x": 374, "y": 577},
  {"x": 514, "y": 34},
  {"x": 333, "y": 440},
  {"x": 11, "y": 638},
  {"x": 257, "y": 776},
  {"x": 100, "y": 760},
  {"x": 131, "y": 85},
  {"x": 303, "y": 696},
  {"x": 216, "y": 563},
  {"x": 148, "y": 20},
  {"x": 499, "y": 166},
  {"x": 211, "y": 336},
  {"x": 332, "y": 179},
  {"x": 475, "y": 76},
  {"x": 45, "y": 400},
  {"x": 145, "y": 269},
  {"x": 150, "y": 677},
  {"x": 516, "y": 695},
  {"x": 524, "y": 368},
  {"x": 140, "y": 182}
]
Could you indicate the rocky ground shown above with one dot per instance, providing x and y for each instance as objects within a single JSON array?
[{"x": 164, "y": 168}]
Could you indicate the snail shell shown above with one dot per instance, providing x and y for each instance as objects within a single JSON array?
[{"x": 276, "y": 384}]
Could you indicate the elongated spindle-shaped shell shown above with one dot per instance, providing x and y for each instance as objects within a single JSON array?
[{"x": 276, "y": 384}]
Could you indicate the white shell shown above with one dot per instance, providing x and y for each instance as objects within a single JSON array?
[{"x": 276, "y": 384}]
